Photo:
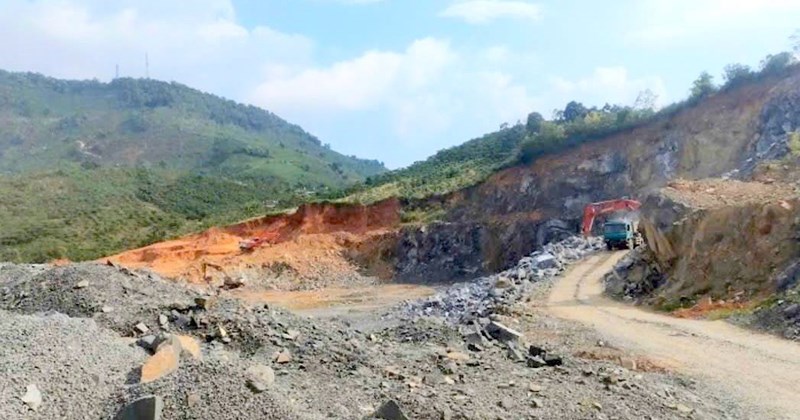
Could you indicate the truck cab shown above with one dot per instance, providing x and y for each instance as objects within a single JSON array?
[{"x": 621, "y": 234}]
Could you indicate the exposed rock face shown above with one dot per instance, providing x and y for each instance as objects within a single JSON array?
[
  {"x": 726, "y": 133},
  {"x": 447, "y": 252},
  {"x": 779, "y": 118},
  {"x": 517, "y": 210},
  {"x": 746, "y": 251}
]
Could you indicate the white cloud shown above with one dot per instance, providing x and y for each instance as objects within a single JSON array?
[
  {"x": 202, "y": 46},
  {"x": 484, "y": 11},
  {"x": 662, "y": 22},
  {"x": 604, "y": 85},
  {"x": 366, "y": 81},
  {"x": 424, "y": 92}
]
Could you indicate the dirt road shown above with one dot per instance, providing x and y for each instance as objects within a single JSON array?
[{"x": 761, "y": 372}]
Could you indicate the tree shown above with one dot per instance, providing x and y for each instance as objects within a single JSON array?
[
  {"x": 574, "y": 110},
  {"x": 795, "y": 39},
  {"x": 775, "y": 64},
  {"x": 645, "y": 101},
  {"x": 703, "y": 86},
  {"x": 735, "y": 74},
  {"x": 534, "y": 123}
]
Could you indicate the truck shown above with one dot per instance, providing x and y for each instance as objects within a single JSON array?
[
  {"x": 617, "y": 232},
  {"x": 620, "y": 233}
]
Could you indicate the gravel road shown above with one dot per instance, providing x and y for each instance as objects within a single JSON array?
[{"x": 759, "y": 371}]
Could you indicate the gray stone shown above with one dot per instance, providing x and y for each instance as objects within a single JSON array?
[
  {"x": 475, "y": 338},
  {"x": 545, "y": 261},
  {"x": 502, "y": 333},
  {"x": 536, "y": 351},
  {"x": 553, "y": 360},
  {"x": 147, "y": 408},
  {"x": 162, "y": 320},
  {"x": 142, "y": 328},
  {"x": 445, "y": 413},
  {"x": 147, "y": 342},
  {"x": 32, "y": 397},
  {"x": 792, "y": 311},
  {"x": 283, "y": 357},
  {"x": 292, "y": 334},
  {"x": 390, "y": 410},
  {"x": 474, "y": 347},
  {"x": 535, "y": 362},
  {"x": 506, "y": 403},
  {"x": 514, "y": 353},
  {"x": 260, "y": 378},
  {"x": 82, "y": 284}
]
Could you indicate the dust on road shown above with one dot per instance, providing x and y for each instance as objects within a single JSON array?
[{"x": 758, "y": 370}]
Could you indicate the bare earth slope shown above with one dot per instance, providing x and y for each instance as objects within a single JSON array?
[{"x": 759, "y": 370}]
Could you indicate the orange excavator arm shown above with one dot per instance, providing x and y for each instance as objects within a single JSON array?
[{"x": 591, "y": 211}]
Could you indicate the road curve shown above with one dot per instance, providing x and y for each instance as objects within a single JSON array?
[{"x": 759, "y": 371}]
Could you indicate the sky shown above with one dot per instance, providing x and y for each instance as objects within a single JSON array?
[{"x": 397, "y": 80}]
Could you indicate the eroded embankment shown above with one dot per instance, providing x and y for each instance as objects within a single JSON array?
[
  {"x": 729, "y": 251},
  {"x": 308, "y": 246}
]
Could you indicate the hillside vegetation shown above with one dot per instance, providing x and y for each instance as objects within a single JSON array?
[
  {"x": 90, "y": 168},
  {"x": 470, "y": 163}
]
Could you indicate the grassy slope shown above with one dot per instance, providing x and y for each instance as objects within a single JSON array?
[
  {"x": 448, "y": 170},
  {"x": 90, "y": 168}
]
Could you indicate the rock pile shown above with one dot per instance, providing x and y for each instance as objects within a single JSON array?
[{"x": 466, "y": 302}]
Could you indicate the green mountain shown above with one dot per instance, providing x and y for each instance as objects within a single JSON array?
[{"x": 89, "y": 168}]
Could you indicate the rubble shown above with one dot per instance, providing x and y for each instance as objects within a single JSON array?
[
  {"x": 222, "y": 352},
  {"x": 464, "y": 303}
]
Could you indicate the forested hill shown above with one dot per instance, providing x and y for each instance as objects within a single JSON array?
[
  {"x": 90, "y": 168},
  {"x": 143, "y": 122}
]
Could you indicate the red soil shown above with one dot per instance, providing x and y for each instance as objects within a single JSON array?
[{"x": 311, "y": 243}]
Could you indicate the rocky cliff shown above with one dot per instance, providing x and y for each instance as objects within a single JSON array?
[{"x": 519, "y": 208}]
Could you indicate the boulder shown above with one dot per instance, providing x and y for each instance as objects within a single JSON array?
[
  {"x": 390, "y": 410},
  {"x": 260, "y": 378},
  {"x": 545, "y": 261},
  {"x": 502, "y": 333},
  {"x": 147, "y": 408}
]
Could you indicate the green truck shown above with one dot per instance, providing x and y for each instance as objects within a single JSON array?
[{"x": 622, "y": 234}]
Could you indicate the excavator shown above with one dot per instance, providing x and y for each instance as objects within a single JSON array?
[{"x": 616, "y": 232}]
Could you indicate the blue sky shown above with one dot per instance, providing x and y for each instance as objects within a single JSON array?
[{"x": 398, "y": 80}]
